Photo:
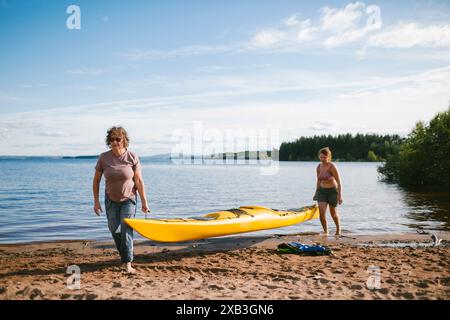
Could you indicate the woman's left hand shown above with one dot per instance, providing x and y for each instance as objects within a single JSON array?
[
  {"x": 340, "y": 200},
  {"x": 145, "y": 208}
]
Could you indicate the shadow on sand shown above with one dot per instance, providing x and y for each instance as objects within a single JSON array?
[{"x": 189, "y": 249}]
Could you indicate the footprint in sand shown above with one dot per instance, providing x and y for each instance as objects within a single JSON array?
[
  {"x": 422, "y": 284},
  {"x": 408, "y": 295},
  {"x": 215, "y": 287},
  {"x": 390, "y": 280},
  {"x": 383, "y": 291},
  {"x": 36, "y": 293},
  {"x": 356, "y": 287},
  {"x": 23, "y": 292}
]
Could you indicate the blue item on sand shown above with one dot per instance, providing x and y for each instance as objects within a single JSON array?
[{"x": 304, "y": 249}]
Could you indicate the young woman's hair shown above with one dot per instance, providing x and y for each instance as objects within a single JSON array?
[
  {"x": 117, "y": 132},
  {"x": 326, "y": 151}
]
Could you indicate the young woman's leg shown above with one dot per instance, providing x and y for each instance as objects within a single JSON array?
[
  {"x": 323, "y": 219},
  {"x": 336, "y": 219}
]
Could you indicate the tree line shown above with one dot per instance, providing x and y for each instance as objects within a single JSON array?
[{"x": 344, "y": 147}]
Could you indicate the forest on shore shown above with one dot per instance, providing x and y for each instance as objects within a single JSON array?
[{"x": 345, "y": 147}]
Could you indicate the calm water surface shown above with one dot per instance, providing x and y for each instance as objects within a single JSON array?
[{"x": 51, "y": 199}]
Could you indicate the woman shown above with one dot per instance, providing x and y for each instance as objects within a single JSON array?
[
  {"x": 328, "y": 189},
  {"x": 122, "y": 170}
]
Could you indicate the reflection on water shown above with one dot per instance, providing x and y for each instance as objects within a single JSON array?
[{"x": 429, "y": 210}]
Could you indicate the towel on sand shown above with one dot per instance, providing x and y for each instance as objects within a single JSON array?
[{"x": 304, "y": 249}]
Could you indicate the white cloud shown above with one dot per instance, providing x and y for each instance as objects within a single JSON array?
[
  {"x": 355, "y": 24},
  {"x": 408, "y": 35},
  {"x": 334, "y": 19},
  {"x": 292, "y": 21},
  {"x": 322, "y": 126},
  {"x": 268, "y": 38},
  {"x": 143, "y": 54},
  {"x": 305, "y": 31},
  {"x": 344, "y": 37},
  {"x": 37, "y": 85},
  {"x": 88, "y": 72},
  {"x": 350, "y": 24},
  {"x": 389, "y": 104},
  {"x": 293, "y": 32},
  {"x": 335, "y": 27}
]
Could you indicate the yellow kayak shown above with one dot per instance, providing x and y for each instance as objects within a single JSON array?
[{"x": 221, "y": 223}]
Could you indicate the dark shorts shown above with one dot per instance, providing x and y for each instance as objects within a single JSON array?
[{"x": 328, "y": 195}]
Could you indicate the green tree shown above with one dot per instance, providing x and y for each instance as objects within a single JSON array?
[{"x": 423, "y": 160}]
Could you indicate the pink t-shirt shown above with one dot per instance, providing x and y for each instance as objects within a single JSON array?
[{"x": 119, "y": 174}]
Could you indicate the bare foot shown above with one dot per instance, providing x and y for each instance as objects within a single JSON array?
[
  {"x": 325, "y": 233},
  {"x": 130, "y": 269}
]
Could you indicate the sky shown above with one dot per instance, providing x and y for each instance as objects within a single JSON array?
[{"x": 216, "y": 72}]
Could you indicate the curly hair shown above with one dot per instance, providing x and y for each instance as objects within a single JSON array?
[
  {"x": 117, "y": 132},
  {"x": 325, "y": 151}
]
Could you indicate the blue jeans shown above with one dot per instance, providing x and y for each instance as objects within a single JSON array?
[{"x": 116, "y": 212}]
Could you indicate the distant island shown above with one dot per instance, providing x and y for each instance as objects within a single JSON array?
[{"x": 242, "y": 155}]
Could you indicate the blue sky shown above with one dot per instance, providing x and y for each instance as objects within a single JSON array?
[{"x": 158, "y": 67}]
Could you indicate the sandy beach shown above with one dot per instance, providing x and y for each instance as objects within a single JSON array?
[{"x": 407, "y": 267}]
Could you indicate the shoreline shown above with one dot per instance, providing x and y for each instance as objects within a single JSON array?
[
  {"x": 234, "y": 267},
  {"x": 444, "y": 234}
]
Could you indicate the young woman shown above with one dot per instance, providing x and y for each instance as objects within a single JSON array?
[{"x": 328, "y": 189}]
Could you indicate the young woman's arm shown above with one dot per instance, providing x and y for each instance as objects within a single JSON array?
[{"x": 317, "y": 183}]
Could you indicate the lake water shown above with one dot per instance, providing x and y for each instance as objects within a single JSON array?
[{"x": 51, "y": 199}]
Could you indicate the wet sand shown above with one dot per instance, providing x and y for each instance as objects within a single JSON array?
[{"x": 407, "y": 267}]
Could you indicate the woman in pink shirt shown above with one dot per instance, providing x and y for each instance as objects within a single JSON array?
[{"x": 123, "y": 180}]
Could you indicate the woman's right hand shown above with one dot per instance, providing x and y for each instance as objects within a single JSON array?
[{"x": 97, "y": 208}]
